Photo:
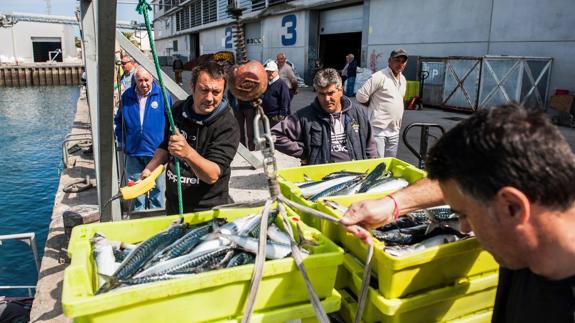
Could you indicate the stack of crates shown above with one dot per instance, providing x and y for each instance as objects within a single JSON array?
[
  {"x": 412, "y": 90},
  {"x": 213, "y": 296},
  {"x": 451, "y": 282}
]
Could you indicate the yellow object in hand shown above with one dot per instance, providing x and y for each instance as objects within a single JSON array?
[{"x": 142, "y": 186}]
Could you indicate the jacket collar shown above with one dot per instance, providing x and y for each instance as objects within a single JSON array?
[
  {"x": 345, "y": 106},
  {"x": 189, "y": 114}
]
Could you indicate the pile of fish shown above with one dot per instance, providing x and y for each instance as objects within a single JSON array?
[
  {"x": 420, "y": 230},
  {"x": 347, "y": 183},
  {"x": 183, "y": 249}
]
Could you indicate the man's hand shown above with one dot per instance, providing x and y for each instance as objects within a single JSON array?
[
  {"x": 145, "y": 173},
  {"x": 368, "y": 214},
  {"x": 179, "y": 147}
]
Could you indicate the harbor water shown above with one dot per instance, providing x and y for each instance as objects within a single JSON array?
[{"x": 33, "y": 123}]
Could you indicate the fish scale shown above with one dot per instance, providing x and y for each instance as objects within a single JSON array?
[
  {"x": 147, "y": 249},
  {"x": 240, "y": 259},
  {"x": 255, "y": 232},
  {"x": 333, "y": 190},
  {"x": 150, "y": 279},
  {"x": 182, "y": 263},
  {"x": 189, "y": 240}
]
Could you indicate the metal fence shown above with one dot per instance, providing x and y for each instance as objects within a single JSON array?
[{"x": 471, "y": 83}]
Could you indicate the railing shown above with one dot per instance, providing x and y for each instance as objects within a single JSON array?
[
  {"x": 30, "y": 239},
  {"x": 30, "y": 289}
]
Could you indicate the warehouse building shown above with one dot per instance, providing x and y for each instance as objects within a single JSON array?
[
  {"x": 307, "y": 30},
  {"x": 33, "y": 38}
]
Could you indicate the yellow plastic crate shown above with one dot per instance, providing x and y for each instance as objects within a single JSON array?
[
  {"x": 413, "y": 273},
  {"x": 478, "y": 317},
  {"x": 411, "y": 90},
  {"x": 289, "y": 176},
  {"x": 459, "y": 301},
  {"x": 303, "y": 313},
  {"x": 214, "y": 295}
]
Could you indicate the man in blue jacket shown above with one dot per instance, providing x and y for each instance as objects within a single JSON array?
[{"x": 140, "y": 124}]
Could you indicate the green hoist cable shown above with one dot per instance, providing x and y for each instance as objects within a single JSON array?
[{"x": 143, "y": 8}]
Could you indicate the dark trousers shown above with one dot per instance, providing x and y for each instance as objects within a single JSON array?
[
  {"x": 245, "y": 118},
  {"x": 178, "y": 73}
]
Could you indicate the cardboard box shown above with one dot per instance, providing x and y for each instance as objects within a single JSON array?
[{"x": 563, "y": 103}]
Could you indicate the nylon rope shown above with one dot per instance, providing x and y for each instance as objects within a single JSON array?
[
  {"x": 122, "y": 170},
  {"x": 257, "y": 274},
  {"x": 143, "y": 8},
  {"x": 362, "y": 297}
]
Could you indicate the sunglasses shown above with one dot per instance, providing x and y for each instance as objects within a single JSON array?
[{"x": 124, "y": 63}]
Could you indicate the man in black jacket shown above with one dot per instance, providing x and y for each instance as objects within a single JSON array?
[
  {"x": 206, "y": 144},
  {"x": 508, "y": 173},
  {"x": 331, "y": 129}
]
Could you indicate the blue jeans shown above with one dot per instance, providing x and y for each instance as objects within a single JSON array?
[
  {"x": 134, "y": 167},
  {"x": 350, "y": 86}
]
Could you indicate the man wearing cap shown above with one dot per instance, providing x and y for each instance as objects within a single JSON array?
[
  {"x": 276, "y": 100},
  {"x": 383, "y": 92}
]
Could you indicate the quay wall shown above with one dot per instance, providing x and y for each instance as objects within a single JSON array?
[{"x": 40, "y": 74}]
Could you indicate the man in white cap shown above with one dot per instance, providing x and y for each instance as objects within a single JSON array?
[
  {"x": 384, "y": 91},
  {"x": 276, "y": 100}
]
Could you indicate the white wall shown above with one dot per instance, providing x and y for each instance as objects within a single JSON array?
[
  {"x": 18, "y": 40},
  {"x": 273, "y": 31},
  {"x": 476, "y": 28},
  {"x": 213, "y": 40}
]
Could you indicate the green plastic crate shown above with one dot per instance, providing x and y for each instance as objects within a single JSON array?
[
  {"x": 214, "y": 295},
  {"x": 467, "y": 300},
  {"x": 418, "y": 271},
  {"x": 289, "y": 176}
]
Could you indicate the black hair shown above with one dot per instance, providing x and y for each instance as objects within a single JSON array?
[
  {"x": 507, "y": 146},
  {"x": 212, "y": 68}
]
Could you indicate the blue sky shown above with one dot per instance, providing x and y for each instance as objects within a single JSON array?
[{"x": 126, "y": 8}]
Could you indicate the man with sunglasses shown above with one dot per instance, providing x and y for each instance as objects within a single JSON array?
[
  {"x": 129, "y": 68},
  {"x": 383, "y": 92}
]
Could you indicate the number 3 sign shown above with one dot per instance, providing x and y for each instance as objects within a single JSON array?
[{"x": 290, "y": 37}]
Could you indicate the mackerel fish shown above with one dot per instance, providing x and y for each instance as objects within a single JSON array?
[
  {"x": 144, "y": 252},
  {"x": 273, "y": 250},
  {"x": 242, "y": 258},
  {"x": 186, "y": 243},
  {"x": 182, "y": 263}
]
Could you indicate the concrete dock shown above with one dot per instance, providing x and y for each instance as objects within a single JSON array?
[{"x": 246, "y": 185}]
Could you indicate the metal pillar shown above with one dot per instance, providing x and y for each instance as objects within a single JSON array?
[{"x": 98, "y": 24}]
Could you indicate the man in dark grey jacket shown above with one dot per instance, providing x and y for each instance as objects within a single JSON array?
[{"x": 330, "y": 129}]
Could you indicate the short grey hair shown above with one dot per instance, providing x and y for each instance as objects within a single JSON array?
[{"x": 326, "y": 77}]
